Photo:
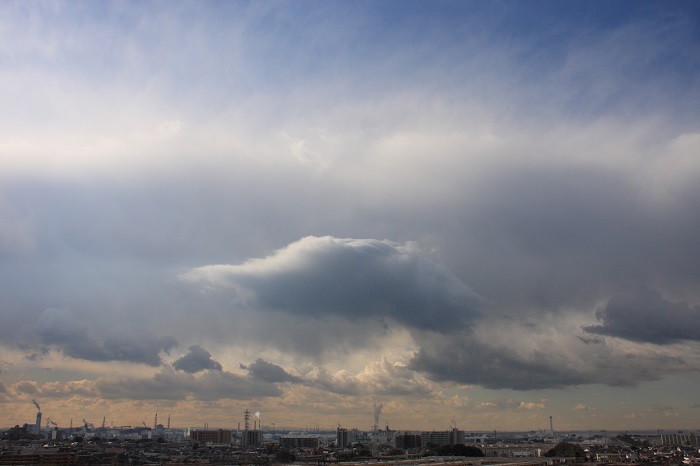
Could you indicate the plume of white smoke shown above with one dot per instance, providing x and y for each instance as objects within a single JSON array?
[{"x": 377, "y": 411}]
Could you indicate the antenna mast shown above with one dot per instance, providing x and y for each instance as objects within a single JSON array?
[{"x": 246, "y": 420}]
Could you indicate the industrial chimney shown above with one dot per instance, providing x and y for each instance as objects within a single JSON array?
[{"x": 37, "y": 427}]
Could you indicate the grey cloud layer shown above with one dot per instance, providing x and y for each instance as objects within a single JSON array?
[
  {"x": 355, "y": 279},
  {"x": 645, "y": 316},
  {"x": 262, "y": 379},
  {"x": 531, "y": 192},
  {"x": 317, "y": 277},
  {"x": 498, "y": 365},
  {"x": 62, "y": 330},
  {"x": 271, "y": 373},
  {"x": 534, "y": 242}
]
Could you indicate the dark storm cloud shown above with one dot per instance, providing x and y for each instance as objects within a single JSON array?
[
  {"x": 353, "y": 279},
  {"x": 493, "y": 367},
  {"x": 197, "y": 359},
  {"x": 62, "y": 330},
  {"x": 270, "y": 373},
  {"x": 505, "y": 363},
  {"x": 645, "y": 316}
]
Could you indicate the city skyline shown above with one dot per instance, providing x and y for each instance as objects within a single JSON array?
[
  {"x": 83, "y": 426},
  {"x": 484, "y": 212}
]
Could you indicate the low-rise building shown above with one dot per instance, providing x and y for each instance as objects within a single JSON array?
[
  {"x": 445, "y": 437},
  {"x": 211, "y": 436},
  {"x": 299, "y": 442}
]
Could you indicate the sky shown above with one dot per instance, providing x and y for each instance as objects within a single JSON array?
[{"x": 470, "y": 213}]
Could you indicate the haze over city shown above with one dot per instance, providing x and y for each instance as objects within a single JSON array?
[{"x": 472, "y": 213}]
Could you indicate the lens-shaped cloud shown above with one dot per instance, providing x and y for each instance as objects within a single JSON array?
[{"x": 352, "y": 278}]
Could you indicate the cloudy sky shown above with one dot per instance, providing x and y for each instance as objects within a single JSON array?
[{"x": 481, "y": 213}]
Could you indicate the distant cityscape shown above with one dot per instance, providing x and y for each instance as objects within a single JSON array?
[
  {"x": 252, "y": 424},
  {"x": 252, "y": 443}
]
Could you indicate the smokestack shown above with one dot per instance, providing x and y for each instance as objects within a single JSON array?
[
  {"x": 168, "y": 421},
  {"x": 551, "y": 426},
  {"x": 377, "y": 412},
  {"x": 37, "y": 427}
]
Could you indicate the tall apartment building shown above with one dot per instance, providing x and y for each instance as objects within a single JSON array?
[
  {"x": 343, "y": 438},
  {"x": 251, "y": 438},
  {"x": 407, "y": 441}
]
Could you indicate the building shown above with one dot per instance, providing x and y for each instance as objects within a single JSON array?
[
  {"x": 676, "y": 440},
  {"x": 439, "y": 438},
  {"x": 407, "y": 441},
  {"x": 251, "y": 438},
  {"x": 299, "y": 442},
  {"x": 385, "y": 435},
  {"x": 211, "y": 436},
  {"x": 343, "y": 438},
  {"x": 514, "y": 451}
]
